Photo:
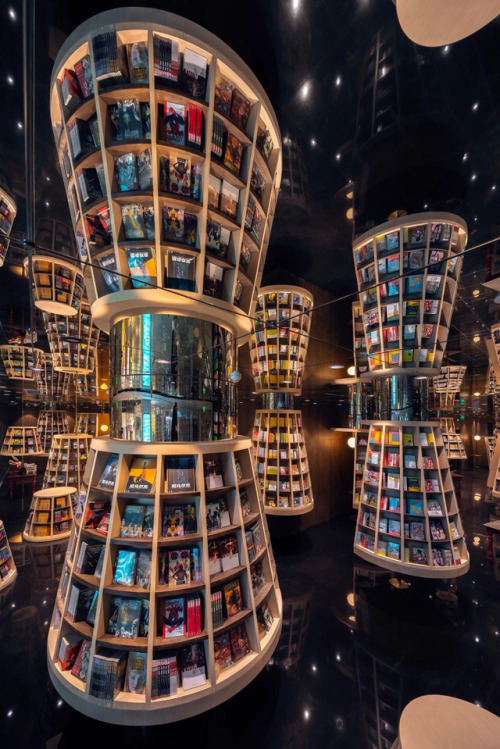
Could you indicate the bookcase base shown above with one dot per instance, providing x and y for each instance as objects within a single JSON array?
[{"x": 439, "y": 573}]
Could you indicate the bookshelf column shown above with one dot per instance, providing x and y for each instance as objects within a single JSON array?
[
  {"x": 171, "y": 157},
  {"x": 408, "y": 518},
  {"x": 278, "y": 350}
]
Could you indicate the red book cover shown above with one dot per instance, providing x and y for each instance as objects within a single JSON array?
[
  {"x": 199, "y": 115},
  {"x": 198, "y": 616},
  {"x": 190, "y": 125}
]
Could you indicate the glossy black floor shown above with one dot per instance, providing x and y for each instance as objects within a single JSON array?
[{"x": 354, "y": 650}]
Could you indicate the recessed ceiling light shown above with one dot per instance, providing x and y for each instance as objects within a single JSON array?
[
  {"x": 337, "y": 156},
  {"x": 305, "y": 90},
  {"x": 426, "y": 205},
  {"x": 473, "y": 177},
  {"x": 475, "y": 106},
  {"x": 477, "y": 395},
  {"x": 19, "y": 125},
  {"x": 338, "y": 80},
  {"x": 476, "y": 339},
  {"x": 12, "y": 14},
  {"x": 313, "y": 142},
  {"x": 465, "y": 157},
  {"x": 10, "y": 80},
  {"x": 476, "y": 292},
  {"x": 446, "y": 49}
]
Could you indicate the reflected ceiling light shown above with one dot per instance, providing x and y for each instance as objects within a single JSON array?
[
  {"x": 351, "y": 371},
  {"x": 336, "y": 366},
  {"x": 476, "y": 292},
  {"x": 476, "y": 339},
  {"x": 475, "y": 541},
  {"x": 10, "y": 80},
  {"x": 337, "y": 156},
  {"x": 295, "y": 7},
  {"x": 477, "y": 437},
  {"x": 349, "y": 214},
  {"x": 426, "y": 205},
  {"x": 338, "y": 80},
  {"x": 475, "y": 106},
  {"x": 350, "y": 599},
  {"x": 473, "y": 178},
  {"x": 446, "y": 49},
  {"x": 465, "y": 156},
  {"x": 313, "y": 142},
  {"x": 350, "y": 195},
  {"x": 477, "y": 395},
  {"x": 19, "y": 125},
  {"x": 352, "y": 443},
  {"x": 493, "y": 187},
  {"x": 12, "y": 14},
  {"x": 104, "y": 427},
  {"x": 305, "y": 90}
]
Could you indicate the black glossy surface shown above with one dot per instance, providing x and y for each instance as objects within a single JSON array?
[{"x": 324, "y": 684}]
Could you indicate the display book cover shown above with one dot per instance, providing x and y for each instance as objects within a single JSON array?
[
  {"x": 142, "y": 476},
  {"x": 108, "y": 478},
  {"x": 180, "y": 271},
  {"x": 180, "y": 474},
  {"x": 142, "y": 265}
]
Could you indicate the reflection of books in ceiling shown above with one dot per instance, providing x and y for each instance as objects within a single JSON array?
[
  {"x": 180, "y": 271},
  {"x": 416, "y": 529},
  {"x": 416, "y": 554},
  {"x": 212, "y": 280},
  {"x": 393, "y": 550},
  {"x": 427, "y": 331},
  {"x": 393, "y": 264},
  {"x": 415, "y": 259},
  {"x": 415, "y": 507},
  {"x": 213, "y": 241},
  {"x": 142, "y": 475},
  {"x": 411, "y": 309},
  {"x": 142, "y": 266},
  {"x": 264, "y": 142},
  {"x": 245, "y": 256},
  {"x": 133, "y": 221},
  {"x": 454, "y": 530},
  {"x": 108, "y": 478},
  {"x": 391, "y": 333},
  {"x": 407, "y": 356},
  {"x": 414, "y": 284},
  {"x": 412, "y": 483},
  {"x": 410, "y": 461},
  {"x": 194, "y": 73},
  {"x": 240, "y": 109}
]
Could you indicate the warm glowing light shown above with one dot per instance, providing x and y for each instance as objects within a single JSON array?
[
  {"x": 350, "y": 195},
  {"x": 493, "y": 187},
  {"x": 350, "y": 599},
  {"x": 476, "y": 541},
  {"x": 349, "y": 214},
  {"x": 351, "y": 441},
  {"x": 336, "y": 366},
  {"x": 295, "y": 7},
  {"x": 477, "y": 437},
  {"x": 477, "y": 497},
  {"x": 104, "y": 386},
  {"x": 476, "y": 338},
  {"x": 477, "y": 395},
  {"x": 476, "y": 292},
  {"x": 306, "y": 714},
  {"x": 351, "y": 371},
  {"x": 473, "y": 179},
  {"x": 104, "y": 427}
]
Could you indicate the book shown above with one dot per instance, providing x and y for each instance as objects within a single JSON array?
[
  {"x": 164, "y": 677},
  {"x": 173, "y": 224},
  {"x": 239, "y": 642},
  {"x": 173, "y": 617},
  {"x": 108, "y": 478},
  {"x": 393, "y": 550},
  {"x": 194, "y": 73},
  {"x": 233, "y": 153},
  {"x": 107, "y": 675},
  {"x": 229, "y": 552},
  {"x": 412, "y": 483},
  {"x": 417, "y": 532},
  {"x": 180, "y": 271},
  {"x": 212, "y": 469},
  {"x": 173, "y": 521},
  {"x": 434, "y": 508},
  {"x": 222, "y": 653},
  {"x": 180, "y": 176},
  {"x": 142, "y": 476},
  {"x": 141, "y": 262},
  {"x": 240, "y": 109},
  {"x": 214, "y": 189},
  {"x": 437, "y": 530},
  {"x": 179, "y": 567},
  {"x": 138, "y": 62},
  {"x": 232, "y": 597},
  {"x": 223, "y": 95},
  {"x": 126, "y": 172},
  {"x": 212, "y": 280},
  {"x": 415, "y": 507},
  {"x": 126, "y": 121},
  {"x": 166, "y": 59},
  {"x": 68, "y": 650},
  {"x": 418, "y": 555},
  {"x": 193, "y": 666},
  {"x": 229, "y": 199},
  {"x": 180, "y": 473},
  {"x": 83, "y": 72},
  {"x": 143, "y": 569},
  {"x": 81, "y": 665},
  {"x": 214, "y": 562},
  {"x": 125, "y": 567},
  {"x": 127, "y": 621},
  {"x": 131, "y": 525},
  {"x": 135, "y": 676},
  {"x": 145, "y": 170}
]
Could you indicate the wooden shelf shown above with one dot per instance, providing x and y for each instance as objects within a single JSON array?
[
  {"x": 21, "y": 362},
  {"x": 178, "y": 590},
  {"x": 60, "y": 460},
  {"x": 39, "y": 506},
  {"x": 173, "y": 642},
  {"x": 187, "y": 538},
  {"x": 232, "y": 621},
  {"x": 223, "y": 577},
  {"x": 123, "y": 643}
]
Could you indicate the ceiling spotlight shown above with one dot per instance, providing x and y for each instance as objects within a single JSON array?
[
  {"x": 295, "y": 7},
  {"x": 473, "y": 177},
  {"x": 48, "y": 179},
  {"x": 337, "y": 156},
  {"x": 12, "y": 14},
  {"x": 477, "y": 437},
  {"x": 313, "y": 142},
  {"x": 446, "y": 49},
  {"x": 338, "y": 81},
  {"x": 305, "y": 91},
  {"x": 19, "y": 125},
  {"x": 477, "y": 395},
  {"x": 47, "y": 203},
  {"x": 476, "y": 292},
  {"x": 336, "y": 366},
  {"x": 10, "y": 80},
  {"x": 476, "y": 338},
  {"x": 351, "y": 442},
  {"x": 465, "y": 157},
  {"x": 351, "y": 371},
  {"x": 475, "y": 106},
  {"x": 426, "y": 205}
]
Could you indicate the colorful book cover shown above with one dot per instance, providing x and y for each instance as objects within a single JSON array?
[
  {"x": 142, "y": 475},
  {"x": 135, "y": 677},
  {"x": 174, "y": 619},
  {"x": 179, "y": 567},
  {"x": 233, "y": 153},
  {"x": 143, "y": 570},
  {"x": 193, "y": 666},
  {"x": 141, "y": 262},
  {"x": 239, "y": 642},
  {"x": 173, "y": 224},
  {"x": 131, "y": 526},
  {"x": 129, "y": 615},
  {"x": 125, "y": 567},
  {"x": 240, "y": 109},
  {"x": 223, "y": 95},
  {"x": 232, "y": 597},
  {"x": 222, "y": 653},
  {"x": 173, "y": 521},
  {"x": 108, "y": 478},
  {"x": 180, "y": 176},
  {"x": 175, "y": 123}
]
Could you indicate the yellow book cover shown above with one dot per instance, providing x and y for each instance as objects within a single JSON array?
[{"x": 142, "y": 476}]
